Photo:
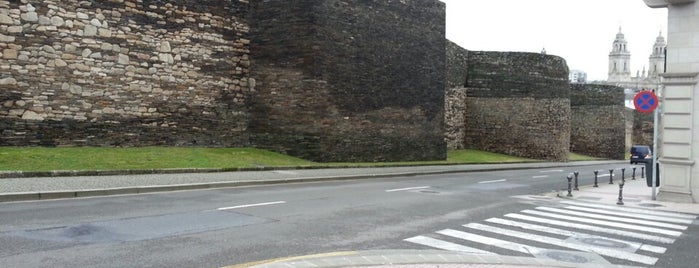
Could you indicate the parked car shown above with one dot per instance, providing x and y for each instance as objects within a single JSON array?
[{"x": 640, "y": 153}]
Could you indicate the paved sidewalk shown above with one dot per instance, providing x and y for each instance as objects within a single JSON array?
[{"x": 635, "y": 194}]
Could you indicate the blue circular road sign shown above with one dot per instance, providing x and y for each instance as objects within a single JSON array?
[{"x": 645, "y": 101}]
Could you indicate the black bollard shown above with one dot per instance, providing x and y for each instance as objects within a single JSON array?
[
  {"x": 596, "y": 171},
  {"x": 576, "y": 181},
  {"x": 623, "y": 176},
  {"x": 611, "y": 176},
  {"x": 643, "y": 172},
  {"x": 621, "y": 199},
  {"x": 570, "y": 178},
  {"x": 633, "y": 175}
]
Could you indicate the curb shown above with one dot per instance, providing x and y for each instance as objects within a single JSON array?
[{"x": 414, "y": 258}]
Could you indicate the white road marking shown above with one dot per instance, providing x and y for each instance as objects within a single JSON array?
[
  {"x": 542, "y": 176},
  {"x": 407, "y": 189},
  {"x": 633, "y": 215},
  {"x": 436, "y": 243},
  {"x": 556, "y": 231},
  {"x": 557, "y": 242},
  {"x": 635, "y": 210},
  {"x": 493, "y": 181},
  {"x": 489, "y": 241},
  {"x": 616, "y": 219},
  {"x": 252, "y": 205},
  {"x": 592, "y": 228},
  {"x": 606, "y": 223}
]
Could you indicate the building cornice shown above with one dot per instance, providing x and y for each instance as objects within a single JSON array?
[{"x": 665, "y": 3}]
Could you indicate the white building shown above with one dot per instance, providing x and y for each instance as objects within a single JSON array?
[
  {"x": 680, "y": 112},
  {"x": 577, "y": 76},
  {"x": 619, "y": 73}
]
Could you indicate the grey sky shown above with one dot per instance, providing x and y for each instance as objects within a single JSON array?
[{"x": 581, "y": 31}]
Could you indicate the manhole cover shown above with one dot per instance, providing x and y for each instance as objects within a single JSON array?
[
  {"x": 566, "y": 257},
  {"x": 569, "y": 256},
  {"x": 604, "y": 243}
]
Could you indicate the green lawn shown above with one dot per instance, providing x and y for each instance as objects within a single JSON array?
[
  {"x": 144, "y": 158},
  {"x": 97, "y": 158}
]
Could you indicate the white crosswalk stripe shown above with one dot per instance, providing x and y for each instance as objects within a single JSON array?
[
  {"x": 606, "y": 223},
  {"x": 614, "y": 218},
  {"x": 436, "y": 243},
  {"x": 653, "y": 238},
  {"x": 633, "y": 210},
  {"x": 629, "y": 234},
  {"x": 557, "y": 231},
  {"x": 488, "y": 241},
  {"x": 633, "y": 215},
  {"x": 558, "y": 242}
]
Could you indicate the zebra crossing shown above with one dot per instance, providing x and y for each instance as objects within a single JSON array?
[{"x": 570, "y": 230}]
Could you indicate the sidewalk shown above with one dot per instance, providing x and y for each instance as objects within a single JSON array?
[{"x": 635, "y": 194}]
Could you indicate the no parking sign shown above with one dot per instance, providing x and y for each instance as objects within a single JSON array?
[{"x": 645, "y": 101}]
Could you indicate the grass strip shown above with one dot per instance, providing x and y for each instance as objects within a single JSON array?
[{"x": 28, "y": 159}]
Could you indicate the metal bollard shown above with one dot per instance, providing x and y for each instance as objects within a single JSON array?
[
  {"x": 623, "y": 176},
  {"x": 633, "y": 175},
  {"x": 570, "y": 178},
  {"x": 611, "y": 176},
  {"x": 621, "y": 189},
  {"x": 576, "y": 181},
  {"x": 596, "y": 171},
  {"x": 643, "y": 172}
]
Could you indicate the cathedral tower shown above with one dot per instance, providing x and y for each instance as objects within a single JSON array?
[
  {"x": 656, "y": 61},
  {"x": 619, "y": 60}
]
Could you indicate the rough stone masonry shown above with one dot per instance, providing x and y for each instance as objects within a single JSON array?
[
  {"x": 326, "y": 80},
  {"x": 124, "y": 73},
  {"x": 329, "y": 80}
]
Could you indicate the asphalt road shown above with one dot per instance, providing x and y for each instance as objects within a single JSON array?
[{"x": 214, "y": 228}]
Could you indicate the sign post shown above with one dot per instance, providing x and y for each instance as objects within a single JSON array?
[{"x": 646, "y": 102}]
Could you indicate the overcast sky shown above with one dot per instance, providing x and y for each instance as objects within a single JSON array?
[{"x": 580, "y": 31}]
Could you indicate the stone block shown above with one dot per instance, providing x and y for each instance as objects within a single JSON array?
[
  {"x": 5, "y": 19},
  {"x": 9, "y": 54},
  {"x": 15, "y": 29},
  {"x": 90, "y": 30},
  {"x": 29, "y": 17},
  {"x": 6, "y": 38},
  {"x": 57, "y": 21}
]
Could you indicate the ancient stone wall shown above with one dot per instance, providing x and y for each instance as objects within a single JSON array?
[
  {"x": 455, "y": 98},
  {"x": 598, "y": 121},
  {"x": 124, "y": 73},
  {"x": 516, "y": 103},
  {"x": 349, "y": 80},
  {"x": 642, "y": 132}
]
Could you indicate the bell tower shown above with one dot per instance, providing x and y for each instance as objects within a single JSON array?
[
  {"x": 619, "y": 60},
  {"x": 656, "y": 61}
]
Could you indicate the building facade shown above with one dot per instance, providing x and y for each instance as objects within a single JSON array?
[
  {"x": 577, "y": 77},
  {"x": 679, "y": 146},
  {"x": 620, "y": 73}
]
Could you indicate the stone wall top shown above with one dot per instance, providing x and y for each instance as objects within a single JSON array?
[{"x": 517, "y": 75}]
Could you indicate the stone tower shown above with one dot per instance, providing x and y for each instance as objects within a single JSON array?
[
  {"x": 619, "y": 60},
  {"x": 656, "y": 61}
]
